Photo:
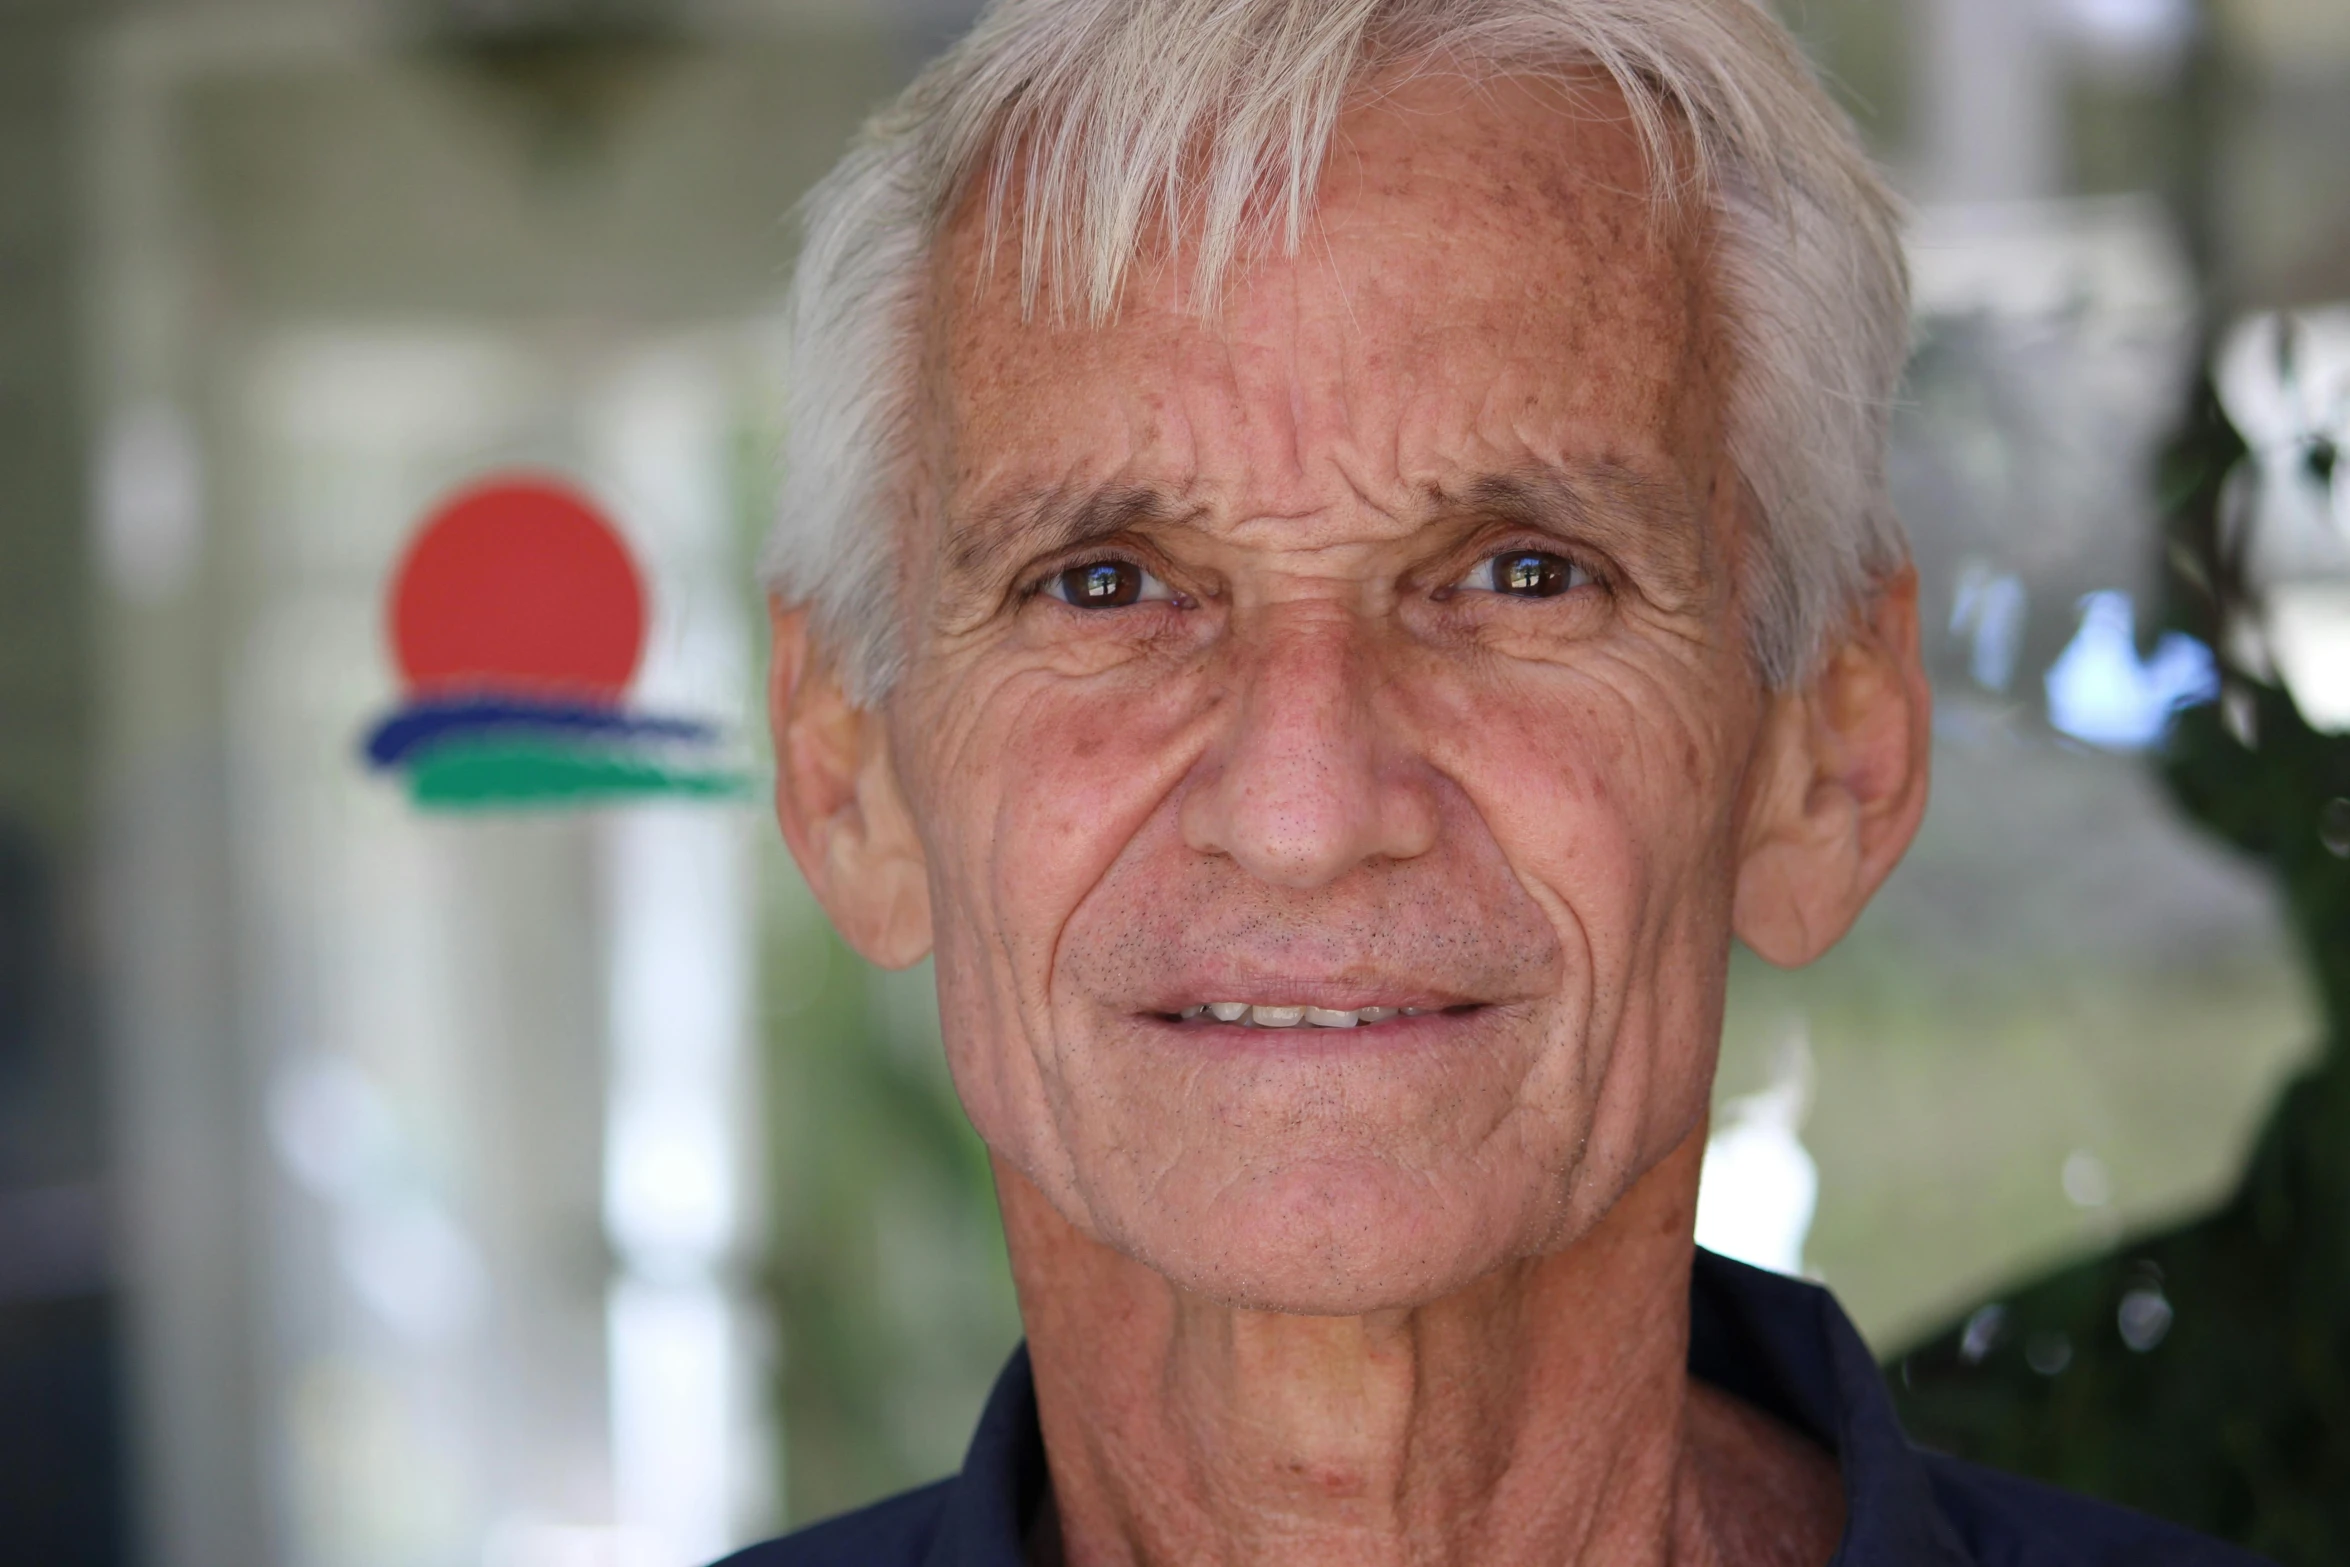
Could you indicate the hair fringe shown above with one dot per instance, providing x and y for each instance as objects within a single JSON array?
[{"x": 1093, "y": 130}]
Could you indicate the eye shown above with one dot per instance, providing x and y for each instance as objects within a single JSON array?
[
  {"x": 1105, "y": 584},
  {"x": 1530, "y": 574}
]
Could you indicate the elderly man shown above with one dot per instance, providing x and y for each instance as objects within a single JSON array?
[{"x": 1335, "y": 555}]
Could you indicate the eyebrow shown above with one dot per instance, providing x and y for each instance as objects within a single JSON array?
[
  {"x": 1648, "y": 521},
  {"x": 1005, "y": 534},
  {"x": 1599, "y": 502},
  {"x": 1584, "y": 496}
]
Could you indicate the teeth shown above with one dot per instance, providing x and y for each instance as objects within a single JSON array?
[{"x": 1290, "y": 1017}]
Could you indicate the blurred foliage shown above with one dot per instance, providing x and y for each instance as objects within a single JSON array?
[
  {"x": 1863, "y": 50},
  {"x": 886, "y": 1282},
  {"x": 887, "y": 1274},
  {"x": 2201, "y": 1372}
]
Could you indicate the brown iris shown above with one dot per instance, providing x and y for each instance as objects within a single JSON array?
[
  {"x": 1531, "y": 574},
  {"x": 1102, "y": 584}
]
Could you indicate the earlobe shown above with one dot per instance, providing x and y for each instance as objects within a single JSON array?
[
  {"x": 1838, "y": 787},
  {"x": 838, "y": 801}
]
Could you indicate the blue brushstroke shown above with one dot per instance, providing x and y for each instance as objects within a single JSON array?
[{"x": 422, "y": 725}]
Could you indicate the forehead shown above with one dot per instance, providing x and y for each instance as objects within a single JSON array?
[{"x": 1487, "y": 285}]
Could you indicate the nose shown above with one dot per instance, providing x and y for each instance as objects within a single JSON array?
[{"x": 1303, "y": 786}]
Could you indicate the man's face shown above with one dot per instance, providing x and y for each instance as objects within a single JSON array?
[{"x": 1371, "y": 647}]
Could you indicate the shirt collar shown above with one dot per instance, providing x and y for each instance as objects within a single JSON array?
[
  {"x": 1780, "y": 1344},
  {"x": 1787, "y": 1348}
]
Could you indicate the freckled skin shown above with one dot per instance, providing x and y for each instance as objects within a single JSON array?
[
  {"x": 1411, "y": 1293},
  {"x": 1314, "y": 774}
]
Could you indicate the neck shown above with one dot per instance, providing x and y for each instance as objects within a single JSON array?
[{"x": 1545, "y": 1415}]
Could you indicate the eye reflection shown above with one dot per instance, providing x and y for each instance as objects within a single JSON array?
[
  {"x": 1105, "y": 584},
  {"x": 1534, "y": 574}
]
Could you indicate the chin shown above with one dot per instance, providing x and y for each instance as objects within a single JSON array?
[{"x": 1327, "y": 1238}]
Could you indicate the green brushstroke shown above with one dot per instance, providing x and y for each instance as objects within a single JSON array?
[{"x": 541, "y": 777}]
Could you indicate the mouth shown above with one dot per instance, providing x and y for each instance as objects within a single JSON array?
[{"x": 1258, "y": 1014}]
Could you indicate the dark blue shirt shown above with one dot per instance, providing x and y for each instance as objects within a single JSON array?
[{"x": 1783, "y": 1346}]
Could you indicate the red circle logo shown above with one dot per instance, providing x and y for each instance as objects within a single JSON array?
[{"x": 518, "y": 585}]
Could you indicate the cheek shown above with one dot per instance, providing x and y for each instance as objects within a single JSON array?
[
  {"x": 1607, "y": 786},
  {"x": 1601, "y": 778},
  {"x": 1027, "y": 785},
  {"x": 1036, "y": 783}
]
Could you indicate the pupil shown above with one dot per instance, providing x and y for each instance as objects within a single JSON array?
[
  {"x": 1533, "y": 574},
  {"x": 1104, "y": 584}
]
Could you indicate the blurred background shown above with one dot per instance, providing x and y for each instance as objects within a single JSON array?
[{"x": 550, "y": 1188}]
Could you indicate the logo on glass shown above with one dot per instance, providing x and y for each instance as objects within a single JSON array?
[{"x": 517, "y": 620}]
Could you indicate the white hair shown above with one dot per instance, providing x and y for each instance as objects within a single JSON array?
[{"x": 1120, "y": 123}]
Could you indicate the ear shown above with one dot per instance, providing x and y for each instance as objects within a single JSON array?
[
  {"x": 838, "y": 800},
  {"x": 1839, "y": 787}
]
